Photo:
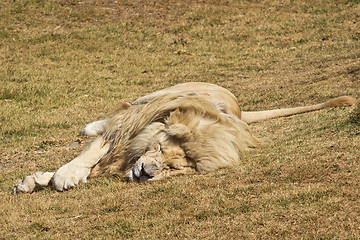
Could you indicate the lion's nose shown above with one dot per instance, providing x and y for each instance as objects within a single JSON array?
[
  {"x": 148, "y": 169},
  {"x": 144, "y": 170}
]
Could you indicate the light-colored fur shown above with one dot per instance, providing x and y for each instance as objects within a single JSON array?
[
  {"x": 193, "y": 122},
  {"x": 250, "y": 117},
  {"x": 186, "y": 128}
]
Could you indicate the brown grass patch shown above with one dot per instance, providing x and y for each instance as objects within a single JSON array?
[{"x": 65, "y": 63}]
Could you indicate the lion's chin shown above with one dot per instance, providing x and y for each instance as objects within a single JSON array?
[{"x": 132, "y": 176}]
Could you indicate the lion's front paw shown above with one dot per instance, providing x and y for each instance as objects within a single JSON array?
[
  {"x": 68, "y": 176},
  {"x": 25, "y": 185},
  {"x": 32, "y": 183}
]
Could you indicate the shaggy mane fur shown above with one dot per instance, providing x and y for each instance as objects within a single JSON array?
[{"x": 209, "y": 137}]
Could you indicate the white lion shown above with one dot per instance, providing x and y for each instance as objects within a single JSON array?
[{"x": 190, "y": 127}]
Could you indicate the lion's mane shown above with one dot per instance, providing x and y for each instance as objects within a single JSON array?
[{"x": 210, "y": 138}]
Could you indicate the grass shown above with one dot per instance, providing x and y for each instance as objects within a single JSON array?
[
  {"x": 355, "y": 115},
  {"x": 66, "y": 63}
]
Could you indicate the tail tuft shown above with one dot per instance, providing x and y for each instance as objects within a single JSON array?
[{"x": 344, "y": 101}]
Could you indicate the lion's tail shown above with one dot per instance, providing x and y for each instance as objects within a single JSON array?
[{"x": 250, "y": 117}]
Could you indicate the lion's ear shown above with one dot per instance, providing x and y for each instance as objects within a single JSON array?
[
  {"x": 156, "y": 147},
  {"x": 179, "y": 131}
]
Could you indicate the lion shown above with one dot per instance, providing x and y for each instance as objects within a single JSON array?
[{"x": 188, "y": 128}]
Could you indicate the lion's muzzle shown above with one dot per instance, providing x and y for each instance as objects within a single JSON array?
[{"x": 147, "y": 167}]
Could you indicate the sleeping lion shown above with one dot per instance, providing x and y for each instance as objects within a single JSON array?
[{"x": 190, "y": 127}]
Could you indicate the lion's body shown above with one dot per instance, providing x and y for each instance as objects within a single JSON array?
[
  {"x": 210, "y": 137},
  {"x": 186, "y": 128},
  {"x": 221, "y": 97}
]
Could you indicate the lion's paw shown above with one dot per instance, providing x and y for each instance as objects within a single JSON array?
[
  {"x": 68, "y": 176},
  {"x": 25, "y": 185},
  {"x": 94, "y": 128},
  {"x": 32, "y": 182}
]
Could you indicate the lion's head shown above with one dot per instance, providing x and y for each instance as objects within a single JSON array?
[{"x": 173, "y": 134}]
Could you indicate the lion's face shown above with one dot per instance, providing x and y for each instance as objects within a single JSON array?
[
  {"x": 148, "y": 166},
  {"x": 164, "y": 159}
]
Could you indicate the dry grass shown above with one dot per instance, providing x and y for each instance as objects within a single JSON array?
[{"x": 64, "y": 63}]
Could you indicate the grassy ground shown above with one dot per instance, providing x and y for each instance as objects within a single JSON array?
[{"x": 64, "y": 63}]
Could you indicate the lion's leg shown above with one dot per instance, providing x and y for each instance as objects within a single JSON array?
[
  {"x": 94, "y": 128},
  {"x": 33, "y": 182},
  {"x": 79, "y": 169},
  {"x": 68, "y": 175}
]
